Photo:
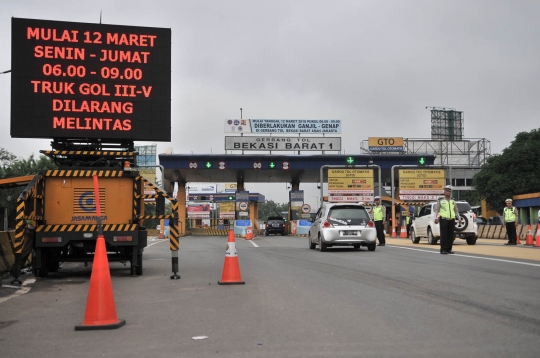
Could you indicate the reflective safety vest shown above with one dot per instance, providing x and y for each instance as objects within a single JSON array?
[
  {"x": 446, "y": 209},
  {"x": 407, "y": 220},
  {"x": 377, "y": 213},
  {"x": 510, "y": 214}
]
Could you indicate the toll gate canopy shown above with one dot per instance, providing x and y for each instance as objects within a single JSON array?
[{"x": 270, "y": 168}]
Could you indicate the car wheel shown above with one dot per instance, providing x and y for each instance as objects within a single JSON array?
[
  {"x": 414, "y": 238},
  {"x": 266, "y": 233},
  {"x": 283, "y": 233},
  {"x": 356, "y": 246},
  {"x": 471, "y": 240},
  {"x": 322, "y": 245},
  {"x": 371, "y": 247},
  {"x": 462, "y": 223},
  {"x": 430, "y": 238},
  {"x": 311, "y": 244}
]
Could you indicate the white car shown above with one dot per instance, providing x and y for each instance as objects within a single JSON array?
[
  {"x": 342, "y": 224},
  {"x": 424, "y": 225}
]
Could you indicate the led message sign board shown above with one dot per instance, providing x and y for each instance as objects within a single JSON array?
[{"x": 79, "y": 80}]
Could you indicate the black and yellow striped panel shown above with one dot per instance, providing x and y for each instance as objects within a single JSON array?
[
  {"x": 106, "y": 153},
  {"x": 19, "y": 228},
  {"x": 85, "y": 173},
  {"x": 33, "y": 218},
  {"x": 154, "y": 217},
  {"x": 86, "y": 228}
]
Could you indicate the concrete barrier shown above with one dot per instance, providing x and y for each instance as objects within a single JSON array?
[{"x": 7, "y": 258}]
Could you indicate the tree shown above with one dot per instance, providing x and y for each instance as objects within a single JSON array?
[
  {"x": 514, "y": 171},
  {"x": 12, "y": 167},
  {"x": 266, "y": 209}
]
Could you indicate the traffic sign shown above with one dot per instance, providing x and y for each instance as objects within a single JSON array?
[
  {"x": 192, "y": 165},
  {"x": 243, "y": 205},
  {"x": 306, "y": 209},
  {"x": 257, "y": 165},
  {"x": 222, "y": 165},
  {"x": 285, "y": 166}
]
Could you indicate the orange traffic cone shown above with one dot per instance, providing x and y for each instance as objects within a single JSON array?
[
  {"x": 100, "y": 308},
  {"x": 393, "y": 232},
  {"x": 249, "y": 233},
  {"x": 529, "y": 239},
  {"x": 537, "y": 244},
  {"x": 231, "y": 266},
  {"x": 403, "y": 232},
  {"x": 518, "y": 241}
]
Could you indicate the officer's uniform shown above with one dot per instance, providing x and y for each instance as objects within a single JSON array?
[
  {"x": 447, "y": 212},
  {"x": 379, "y": 215},
  {"x": 510, "y": 220}
]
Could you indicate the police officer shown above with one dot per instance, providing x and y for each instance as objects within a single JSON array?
[
  {"x": 510, "y": 220},
  {"x": 446, "y": 211},
  {"x": 408, "y": 222},
  {"x": 379, "y": 218}
]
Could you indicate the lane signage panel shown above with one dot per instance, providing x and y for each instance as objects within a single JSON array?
[
  {"x": 350, "y": 185},
  {"x": 421, "y": 184},
  {"x": 81, "y": 80}
]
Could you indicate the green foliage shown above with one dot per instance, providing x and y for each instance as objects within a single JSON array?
[
  {"x": 515, "y": 171},
  {"x": 12, "y": 167},
  {"x": 269, "y": 208}
]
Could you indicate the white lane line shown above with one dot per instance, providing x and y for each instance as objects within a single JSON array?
[
  {"x": 157, "y": 242},
  {"x": 21, "y": 291},
  {"x": 474, "y": 257},
  {"x": 252, "y": 243}
]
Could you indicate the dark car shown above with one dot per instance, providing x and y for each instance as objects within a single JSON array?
[
  {"x": 495, "y": 220},
  {"x": 275, "y": 225},
  {"x": 481, "y": 221}
]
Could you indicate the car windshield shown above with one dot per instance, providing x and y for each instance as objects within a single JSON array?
[{"x": 348, "y": 215}]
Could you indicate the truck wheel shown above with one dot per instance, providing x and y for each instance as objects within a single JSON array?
[
  {"x": 44, "y": 270},
  {"x": 139, "y": 269}
]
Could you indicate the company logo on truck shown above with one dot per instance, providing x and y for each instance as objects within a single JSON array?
[
  {"x": 87, "y": 202},
  {"x": 87, "y": 218}
]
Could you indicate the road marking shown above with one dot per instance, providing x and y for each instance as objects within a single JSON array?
[
  {"x": 21, "y": 291},
  {"x": 157, "y": 242},
  {"x": 252, "y": 243},
  {"x": 474, "y": 257}
]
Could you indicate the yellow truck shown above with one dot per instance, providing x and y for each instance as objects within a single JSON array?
[{"x": 56, "y": 212}]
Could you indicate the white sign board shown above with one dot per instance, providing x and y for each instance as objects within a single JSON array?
[
  {"x": 282, "y": 125},
  {"x": 283, "y": 143}
]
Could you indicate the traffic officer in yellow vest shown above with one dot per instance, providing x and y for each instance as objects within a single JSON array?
[
  {"x": 510, "y": 219},
  {"x": 379, "y": 218},
  {"x": 446, "y": 212}
]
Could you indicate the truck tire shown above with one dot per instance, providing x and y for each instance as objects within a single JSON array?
[
  {"x": 139, "y": 268},
  {"x": 43, "y": 271}
]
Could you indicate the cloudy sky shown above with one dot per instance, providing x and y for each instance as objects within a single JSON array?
[{"x": 375, "y": 65}]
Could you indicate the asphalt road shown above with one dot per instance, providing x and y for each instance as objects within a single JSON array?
[{"x": 402, "y": 300}]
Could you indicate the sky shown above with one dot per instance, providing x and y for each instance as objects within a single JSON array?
[{"x": 375, "y": 65}]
